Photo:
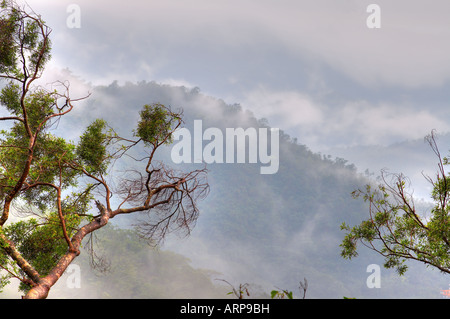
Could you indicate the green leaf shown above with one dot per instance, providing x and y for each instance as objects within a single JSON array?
[
  {"x": 91, "y": 149},
  {"x": 273, "y": 293},
  {"x": 155, "y": 123}
]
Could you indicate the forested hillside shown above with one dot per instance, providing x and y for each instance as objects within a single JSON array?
[
  {"x": 126, "y": 267},
  {"x": 273, "y": 229},
  {"x": 267, "y": 230}
]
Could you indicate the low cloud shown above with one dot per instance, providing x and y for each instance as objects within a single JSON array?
[{"x": 321, "y": 126}]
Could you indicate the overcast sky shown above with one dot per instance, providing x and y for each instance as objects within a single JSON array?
[{"x": 311, "y": 67}]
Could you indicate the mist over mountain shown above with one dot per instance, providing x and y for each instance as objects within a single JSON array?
[
  {"x": 266, "y": 230},
  {"x": 413, "y": 158},
  {"x": 270, "y": 230}
]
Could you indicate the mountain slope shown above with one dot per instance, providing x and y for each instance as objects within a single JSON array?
[{"x": 271, "y": 230}]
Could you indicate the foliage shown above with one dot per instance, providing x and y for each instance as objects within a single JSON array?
[
  {"x": 240, "y": 292},
  {"x": 91, "y": 149},
  {"x": 286, "y": 294},
  {"x": 281, "y": 294},
  {"x": 396, "y": 230},
  {"x": 155, "y": 124},
  {"x": 41, "y": 241},
  {"x": 25, "y": 37}
]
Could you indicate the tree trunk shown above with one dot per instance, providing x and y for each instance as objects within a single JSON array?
[{"x": 41, "y": 290}]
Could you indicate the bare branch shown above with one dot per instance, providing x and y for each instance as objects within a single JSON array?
[{"x": 168, "y": 200}]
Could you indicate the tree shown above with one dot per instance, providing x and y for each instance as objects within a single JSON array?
[
  {"x": 396, "y": 230},
  {"x": 53, "y": 184}
]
